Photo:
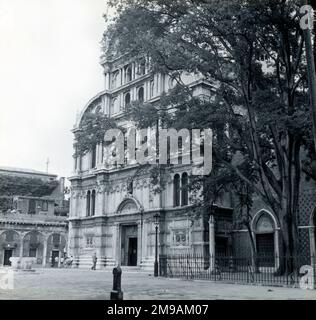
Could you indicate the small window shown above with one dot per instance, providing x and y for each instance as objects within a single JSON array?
[
  {"x": 93, "y": 203},
  {"x": 176, "y": 190},
  {"x": 93, "y": 157},
  {"x": 88, "y": 203},
  {"x": 32, "y": 206},
  {"x": 127, "y": 99},
  {"x": 114, "y": 106},
  {"x": 128, "y": 74},
  {"x": 151, "y": 88},
  {"x": 45, "y": 206},
  {"x": 141, "y": 67},
  {"x": 32, "y": 253},
  {"x": 89, "y": 241},
  {"x": 130, "y": 187},
  {"x": 114, "y": 79},
  {"x": 141, "y": 94},
  {"x": 184, "y": 189}
]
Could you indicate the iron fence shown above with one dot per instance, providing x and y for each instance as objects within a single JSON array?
[{"x": 263, "y": 270}]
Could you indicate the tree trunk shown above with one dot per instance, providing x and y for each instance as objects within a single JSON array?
[{"x": 254, "y": 254}]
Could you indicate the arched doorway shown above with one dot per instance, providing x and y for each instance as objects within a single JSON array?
[
  {"x": 33, "y": 246},
  {"x": 129, "y": 234},
  {"x": 264, "y": 227},
  {"x": 10, "y": 246},
  {"x": 56, "y": 244}
]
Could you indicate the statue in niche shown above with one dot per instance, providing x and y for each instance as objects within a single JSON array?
[{"x": 130, "y": 186}]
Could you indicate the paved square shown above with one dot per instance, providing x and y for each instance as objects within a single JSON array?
[{"x": 60, "y": 284}]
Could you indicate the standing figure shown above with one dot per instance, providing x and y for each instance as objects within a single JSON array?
[{"x": 94, "y": 261}]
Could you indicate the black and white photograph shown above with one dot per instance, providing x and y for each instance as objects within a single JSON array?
[{"x": 157, "y": 150}]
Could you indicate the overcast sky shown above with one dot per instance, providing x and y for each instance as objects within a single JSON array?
[{"x": 49, "y": 69}]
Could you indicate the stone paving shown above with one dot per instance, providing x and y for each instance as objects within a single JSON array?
[{"x": 60, "y": 284}]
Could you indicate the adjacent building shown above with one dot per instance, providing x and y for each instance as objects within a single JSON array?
[{"x": 32, "y": 225}]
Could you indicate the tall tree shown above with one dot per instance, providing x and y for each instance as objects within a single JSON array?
[{"x": 263, "y": 105}]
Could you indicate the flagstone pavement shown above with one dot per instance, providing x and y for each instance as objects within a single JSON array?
[{"x": 61, "y": 284}]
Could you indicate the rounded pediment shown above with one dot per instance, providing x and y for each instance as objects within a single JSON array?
[{"x": 129, "y": 205}]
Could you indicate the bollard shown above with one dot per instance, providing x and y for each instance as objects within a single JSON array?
[{"x": 116, "y": 293}]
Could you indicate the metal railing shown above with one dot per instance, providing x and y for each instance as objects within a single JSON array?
[{"x": 261, "y": 270}]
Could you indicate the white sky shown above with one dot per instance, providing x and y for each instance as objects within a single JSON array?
[{"x": 49, "y": 69}]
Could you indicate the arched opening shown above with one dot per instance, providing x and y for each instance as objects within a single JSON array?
[
  {"x": 56, "y": 244},
  {"x": 264, "y": 228},
  {"x": 141, "y": 94},
  {"x": 151, "y": 88},
  {"x": 176, "y": 190},
  {"x": 128, "y": 74},
  {"x": 33, "y": 246},
  {"x": 184, "y": 189},
  {"x": 10, "y": 246},
  {"x": 88, "y": 204},
  {"x": 128, "y": 206},
  {"x": 93, "y": 203},
  {"x": 142, "y": 67},
  {"x": 93, "y": 156},
  {"x": 127, "y": 99},
  {"x": 115, "y": 79}
]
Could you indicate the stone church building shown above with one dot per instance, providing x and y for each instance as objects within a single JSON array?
[{"x": 113, "y": 209}]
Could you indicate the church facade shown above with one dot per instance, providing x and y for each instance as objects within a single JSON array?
[{"x": 114, "y": 210}]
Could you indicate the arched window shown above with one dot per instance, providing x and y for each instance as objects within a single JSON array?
[
  {"x": 184, "y": 189},
  {"x": 114, "y": 106},
  {"x": 264, "y": 228},
  {"x": 93, "y": 203},
  {"x": 141, "y": 67},
  {"x": 141, "y": 94},
  {"x": 176, "y": 190},
  {"x": 98, "y": 109},
  {"x": 114, "y": 79},
  {"x": 151, "y": 88},
  {"x": 127, "y": 99},
  {"x": 128, "y": 74},
  {"x": 111, "y": 111},
  {"x": 93, "y": 156},
  {"x": 88, "y": 203}
]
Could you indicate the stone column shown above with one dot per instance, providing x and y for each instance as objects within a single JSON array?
[
  {"x": 44, "y": 252},
  {"x": 211, "y": 242},
  {"x": 97, "y": 155},
  {"x": 144, "y": 240},
  {"x": 21, "y": 247},
  {"x": 59, "y": 257},
  {"x": 116, "y": 244},
  {"x": 106, "y": 81},
  {"x": 139, "y": 242}
]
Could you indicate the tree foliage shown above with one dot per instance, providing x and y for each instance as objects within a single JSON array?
[
  {"x": 24, "y": 186},
  {"x": 265, "y": 111},
  {"x": 91, "y": 131}
]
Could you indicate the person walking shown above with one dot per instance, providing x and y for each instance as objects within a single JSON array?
[{"x": 94, "y": 261}]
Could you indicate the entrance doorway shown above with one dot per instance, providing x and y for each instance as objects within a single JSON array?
[
  {"x": 132, "y": 252},
  {"x": 7, "y": 256},
  {"x": 55, "y": 256},
  {"x": 129, "y": 243},
  {"x": 265, "y": 249}
]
